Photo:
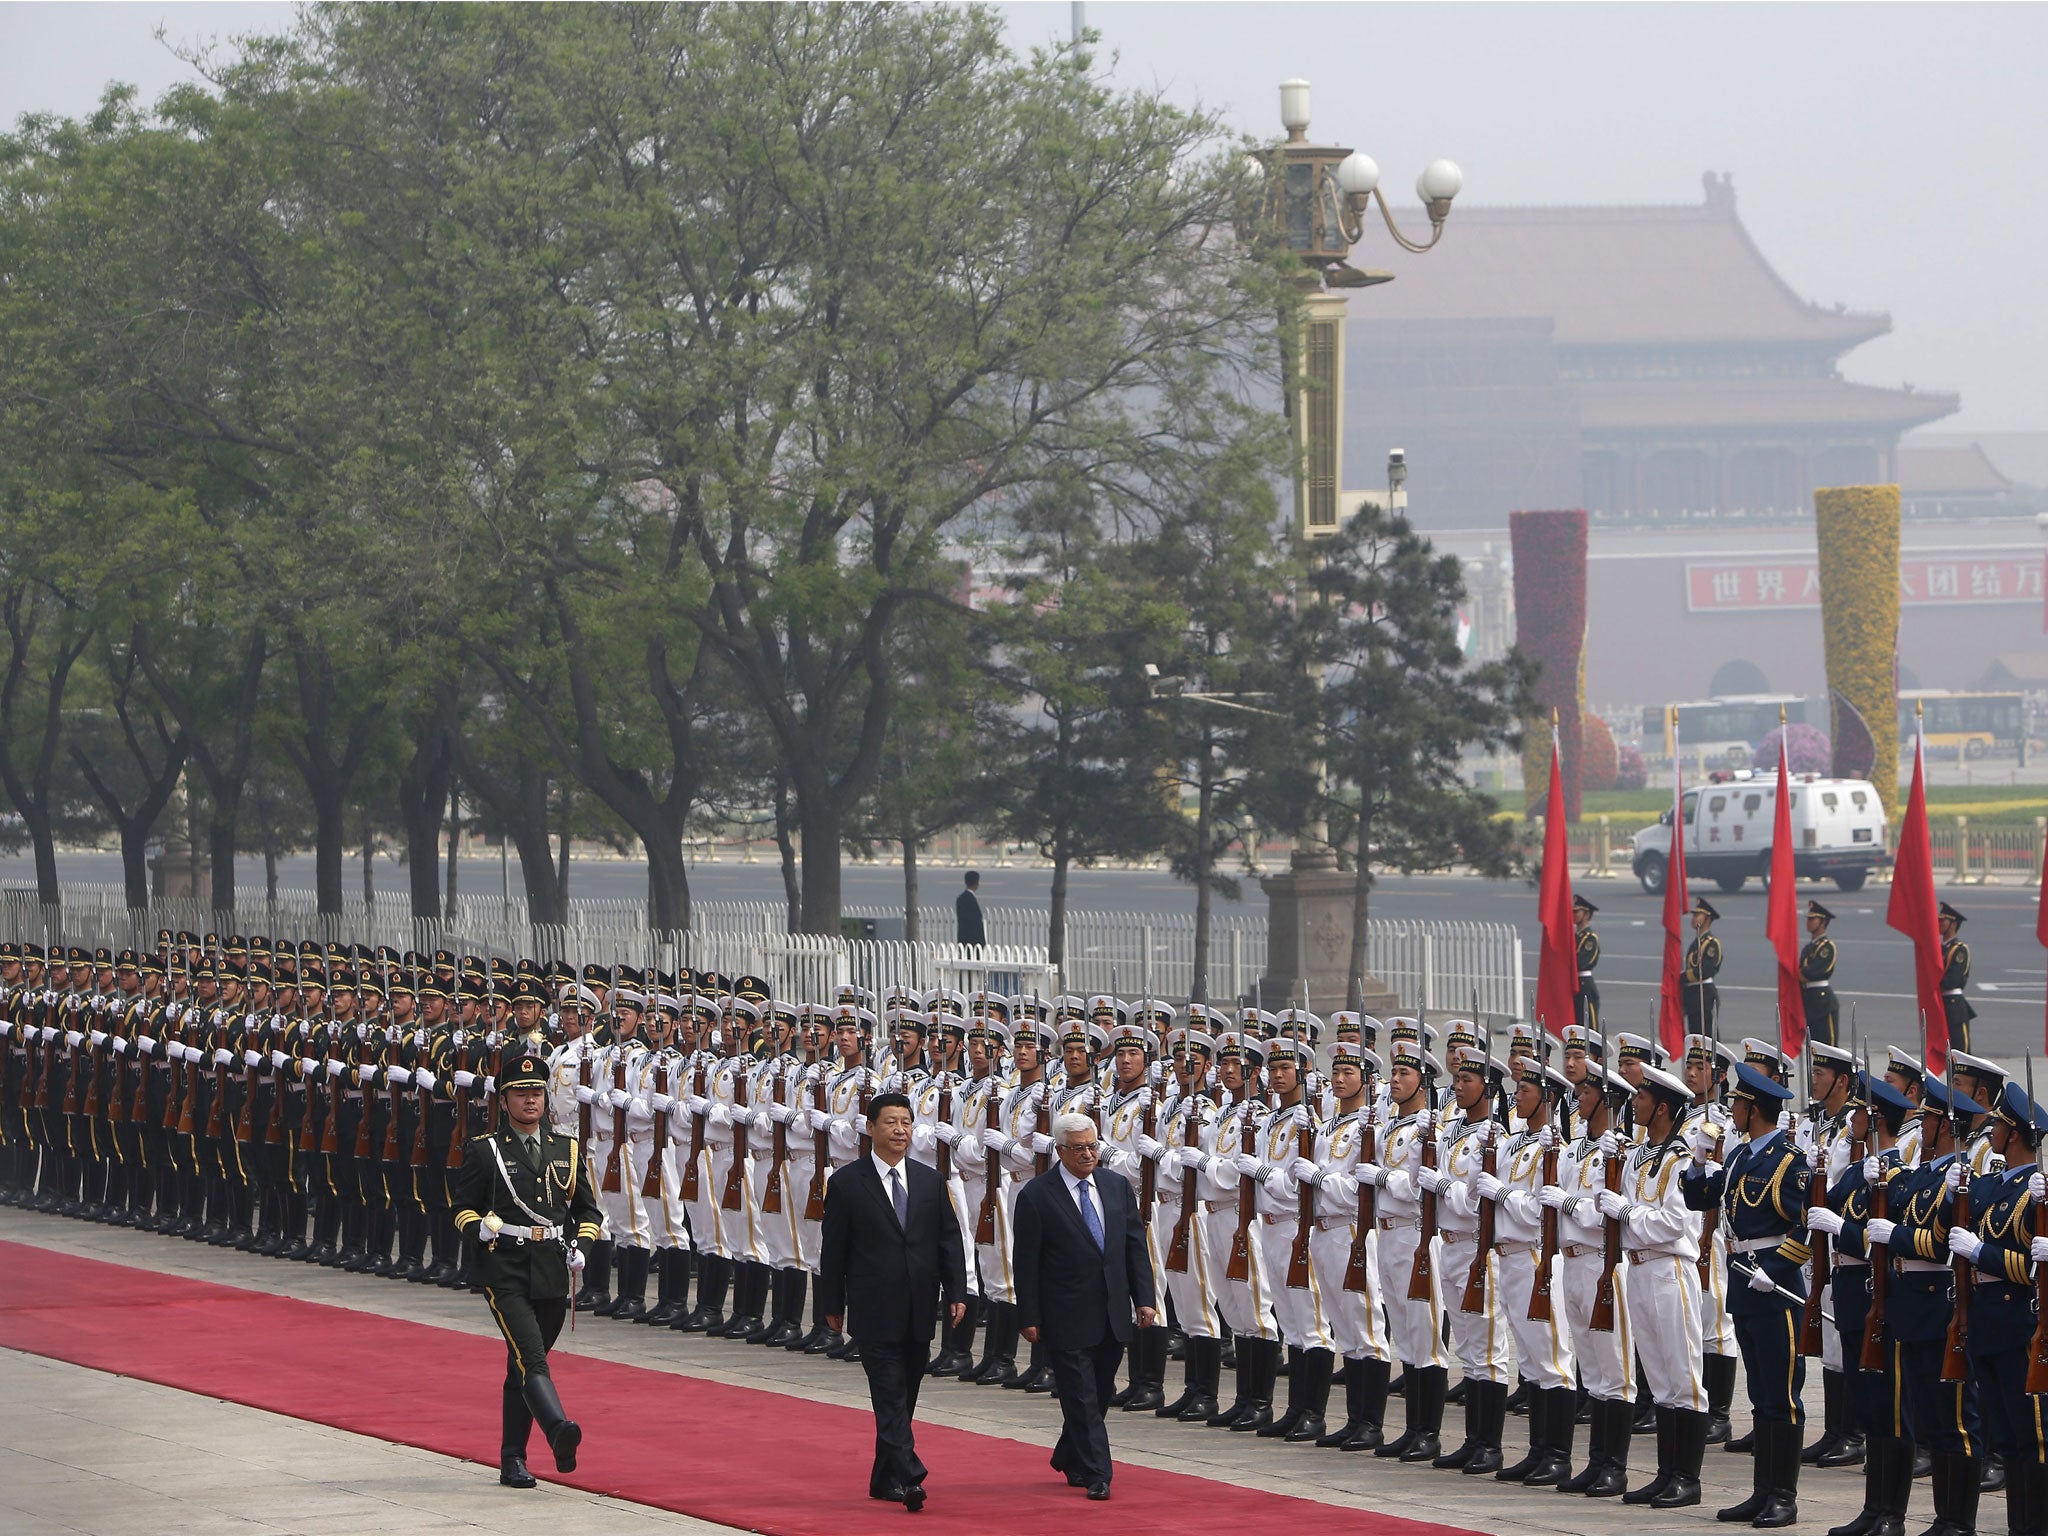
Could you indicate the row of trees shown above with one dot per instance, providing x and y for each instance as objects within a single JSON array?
[{"x": 600, "y": 408}]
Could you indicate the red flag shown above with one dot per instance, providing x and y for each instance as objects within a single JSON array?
[
  {"x": 1914, "y": 912},
  {"x": 1671, "y": 996},
  {"x": 1781, "y": 917},
  {"x": 1557, "y": 965}
]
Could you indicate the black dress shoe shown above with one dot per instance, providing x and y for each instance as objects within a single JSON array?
[
  {"x": 893, "y": 1493},
  {"x": 913, "y": 1498},
  {"x": 1098, "y": 1491}
]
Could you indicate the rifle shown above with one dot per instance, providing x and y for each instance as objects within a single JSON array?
[
  {"x": 733, "y": 1198},
  {"x": 611, "y": 1162},
  {"x": 583, "y": 1070},
  {"x": 1239, "y": 1267},
  {"x": 778, "y": 1149},
  {"x": 1816, "y": 1196},
  {"x": 821, "y": 1151},
  {"x": 1044, "y": 1122},
  {"x": 1148, "y": 1177},
  {"x": 860, "y": 1104},
  {"x": 2037, "y": 1358},
  {"x": 1357, "y": 1268},
  {"x": 1710, "y": 1221},
  {"x": 187, "y": 1102},
  {"x": 1297, "y": 1260},
  {"x": 1191, "y": 1132},
  {"x": 1422, "y": 1274},
  {"x": 1539, "y": 1292},
  {"x": 138, "y": 1102},
  {"x": 245, "y": 1117},
  {"x": 1475, "y": 1278},
  {"x": 1871, "y": 1354},
  {"x": 90, "y": 1105},
  {"x": 458, "y": 1138},
  {"x": 75, "y": 1056},
  {"x": 330, "y": 1127},
  {"x": 369, "y": 1047},
  {"x": 422, "y": 1132},
  {"x": 1602, "y": 1316},
  {"x": 690, "y": 1178},
  {"x": 1955, "y": 1364},
  {"x": 945, "y": 1152},
  {"x": 117, "y": 1082},
  {"x": 991, "y": 1171},
  {"x": 650, "y": 1186},
  {"x": 273, "y": 1129},
  {"x": 217, "y": 1108}
]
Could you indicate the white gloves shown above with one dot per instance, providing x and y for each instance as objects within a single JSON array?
[
  {"x": 1953, "y": 1179},
  {"x": 1610, "y": 1144},
  {"x": 493, "y": 1223},
  {"x": 1702, "y": 1146},
  {"x": 721, "y": 1115},
  {"x": 490, "y": 1085},
  {"x": 1964, "y": 1244},
  {"x": 1880, "y": 1231},
  {"x": 1821, "y": 1219},
  {"x": 465, "y": 1079},
  {"x": 1759, "y": 1281},
  {"x": 994, "y": 1139},
  {"x": 860, "y": 1125},
  {"x": 696, "y": 1104},
  {"x": 1612, "y": 1205},
  {"x": 616, "y": 1097},
  {"x": 277, "y": 1061},
  {"x": 585, "y": 1095},
  {"x": 399, "y": 1077},
  {"x": 1040, "y": 1145},
  {"x": 922, "y": 1138},
  {"x": 366, "y": 1074},
  {"x": 252, "y": 1059},
  {"x": 1871, "y": 1169},
  {"x": 423, "y": 1080},
  {"x": 1435, "y": 1180},
  {"x": 576, "y": 1261},
  {"x": 1192, "y": 1157},
  {"x": 336, "y": 1068},
  {"x": 1147, "y": 1147},
  {"x": 220, "y": 1058},
  {"x": 816, "y": 1118},
  {"x": 1246, "y": 1163},
  {"x": 1489, "y": 1187},
  {"x": 145, "y": 1043},
  {"x": 1370, "y": 1173},
  {"x": 2037, "y": 1187},
  {"x": 946, "y": 1132},
  {"x": 1550, "y": 1197},
  {"x": 1306, "y": 1171},
  {"x": 778, "y": 1113},
  {"x": 2037, "y": 1250},
  {"x": 1547, "y": 1137},
  {"x": 120, "y": 1046}
]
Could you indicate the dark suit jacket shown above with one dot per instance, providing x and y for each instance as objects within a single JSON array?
[
  {"x": 888, "y": 1279},
  {"x": 1064, "y": 1286},
  {"x": 560, "y": 1192},
  {"x": 968, "y": 927}
]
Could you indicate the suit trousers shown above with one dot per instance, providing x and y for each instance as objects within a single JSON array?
[
  {"x": 895, "y": 1369},
  {"x": 1085, "y": 1378},
  {"x": 530, "y": 1328}
]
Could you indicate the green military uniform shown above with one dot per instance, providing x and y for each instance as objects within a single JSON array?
[
  {"x": 1702, "y": 965},
  {"x": 1955, "y": 976},
  {"x": 1587, "y": 945},
  {"x": 531, "y": 1207},
  {"x": 1817, "y": 982}
]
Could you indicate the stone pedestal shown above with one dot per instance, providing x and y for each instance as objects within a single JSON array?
[{"x": 1308, "y": 940}]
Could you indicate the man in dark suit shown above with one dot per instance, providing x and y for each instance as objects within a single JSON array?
[
  {"x": 1081, "y": 1272},
  {"x": 968, "y": 927},
  {"x": 891, "y": 1247}
]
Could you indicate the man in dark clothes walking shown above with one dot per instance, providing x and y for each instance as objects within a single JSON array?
[{"x": 968, "y": 926}]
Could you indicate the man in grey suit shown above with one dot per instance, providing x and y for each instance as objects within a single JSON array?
[{"x": 1081, "y": 1273}]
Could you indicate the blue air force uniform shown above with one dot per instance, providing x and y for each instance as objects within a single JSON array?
[{"x": 1941, "y": 1415}]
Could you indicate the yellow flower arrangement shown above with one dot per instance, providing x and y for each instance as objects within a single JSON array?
[{"x": 1857, "y": 527}]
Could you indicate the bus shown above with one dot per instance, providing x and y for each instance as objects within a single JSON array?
[
  {"x": 1966, "y": 724},
  {"x": 1721, "y": 732}
]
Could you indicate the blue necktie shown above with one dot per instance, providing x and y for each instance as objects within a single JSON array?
[
  {"x": 899, "y": 1199},
  {"x": 1093, "y": 1221}
]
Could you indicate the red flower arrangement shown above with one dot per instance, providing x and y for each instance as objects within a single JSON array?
[{"x": 1550, "y": 626}]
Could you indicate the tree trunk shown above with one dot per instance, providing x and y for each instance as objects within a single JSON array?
[
  {"x": 1056, "y": 925},
  {"x": 912, "y": 922},
  {"x": 520, "y": 806},
  {"x": 135, "y": 863},
  {"x": 329, "y": 833},
  {"x": 225, "y": 774},
  {"x": 369, "y": 872},
  {"x": 785, "y": 849},
  {"x": 1361, "y": 902},
  {"x": 425, "y": 788},
  {"x": 454, "y": 844},
  {"x": 42, "y": 836},
  {"x": 668, "y": 884},
  {"x": 820, "y": 824},
  {"x": 270, "y": 873},
  {"x": 221, "y": 827},
  {"x": 1204, "y": 864},
  {"x": 562, "y": 864}
]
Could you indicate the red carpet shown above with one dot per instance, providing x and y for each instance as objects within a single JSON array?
[{"x": 757, "y": 1460}]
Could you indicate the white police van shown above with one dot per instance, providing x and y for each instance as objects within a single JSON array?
[{"x": 1838, "y": 830}]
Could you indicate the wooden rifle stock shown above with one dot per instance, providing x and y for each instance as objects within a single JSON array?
[
  {"x": 1811, "y": 1320},
  {"x": 1955, "y": 1363},
  {"x": 1601, "y": 1318},
  {"x": 650, "y": 1186},
  {"x": 1240, "y": 1265},
  {"x": 1710, "y": 1222},
  {"x": 1871, "y": 1356},
  {"x": 861, "y": 1102},
  {"x": 77, "y": 1061},
  {"x": 2037, "y": 1353},
  {"x": 945, "y": 1152},
  {"x": 90, "y": 1103},
  {"x": 330, "y": 1120},
  {"x": 821, "y": 1152},
  {"x": 1474, "y": 1297},
  {"x": 1358, "y": 1267},
  {"x": 458, "y": 1138},
  {"x": 245, "y": 1115},
  {"x": 1422, "y": 1274},
  {"x": 583, "y": 1071},
  {"x": 1043, "y": 1160},
  {"x": 991, "y": 1172},
  {"x": 188, "y": 1097},
  {"x": 691, "y": 1180},
  {"x": 280, "y": 1077},
  {"x": 117, "y": 1080},
  {"x": 1546, "y": 1258},
  {"x": 617, "y": 1154},
  {"x": 734, "y": 1197},
  {"x": 49, "y": 1071},
  {"x": 364, "y": 1147},
  {"x": 217, "y": 1108},
  {"x": 1297, "y": 1258},
  {"x": 1148, "y": 1176},
  {"x": 771, "y": 1191},
  {"x": 1191, "y": 1135},
  {"x": 138, "y": 1103}
]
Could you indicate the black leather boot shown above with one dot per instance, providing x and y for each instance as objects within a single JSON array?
[
  {"x": 1759, "y": 1481},
  {"x": 633, "y": 1264},
  {"x": 516, "y": 1425},
  {"x": 1205, "y": 1380},
  {"x": 713, "y": 1274},
  {"x": 1719, "y": 1371},
  {"x": 1965, "y": 1483},
  {"x": 666, "y": 1307},
  {"x": 1266, "y": 1355},
  {"x": 1876, "y": 1464},
  {"x": 1149, "y": 1353},
  {"x": 1667, "y": 1457},
  {"x": 1317, "y": 1367},
  {"x": 597, "y": 1279},
  {"x": 1781, "y": 1485},
  {"x": 1432, "y": 1383},
  {"x": 1539, "y": 1433},
  {"x": 1247, "y": 1387},
  {"x": 1596, "y": 1450},
  {"x": 1612, "y": 1482},
  {"x": 1493, "y": 1419},
  {"x": 1365, "y": 1406},
  {"x": 1285, "y": 1421},
  {"x": 563, "y": 1433},
  {"x": 1689, "y": 1445},
  {"x": 999, "y": 1350}
]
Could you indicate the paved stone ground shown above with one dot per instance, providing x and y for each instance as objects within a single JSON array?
[{"x": 100, "y": 1454}]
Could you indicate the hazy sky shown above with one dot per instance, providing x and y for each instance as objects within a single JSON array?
[{"x": 1885, "y": 156}]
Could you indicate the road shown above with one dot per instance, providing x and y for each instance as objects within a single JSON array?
[{"x": 2009, "y": 986}]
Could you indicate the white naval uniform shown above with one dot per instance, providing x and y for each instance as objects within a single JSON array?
[
  {"x": 1416, "y": 1327},
  {"x": 1662, "y": 1240},
  {"x": 777, "y": 1232},
  {"x": 973, "y": 1164},
  {"x": 1186, "y": 1123},
  {"x": 1481, "y": 1339},
  {"x": 1302, "y": 1315},
  {"x": 662, "y": 1079},
  {"x": 1543, "y": 1349},
  {"x": 1717, "y": 1328},
  {"x": 693, "y": 1109},
  {"x": 1247, "y": 1304},
  {"x": 934, "y": 1108},
  {"x": 565, "y": 1110},
  {"x": 1357, "y": 1325},
  {"x": 1604, "y": 1356},
  {"x": 625, "y": 1211},
  {"x": 1123, "y": 1122},
  {"x": 1017, "y": 1116}
]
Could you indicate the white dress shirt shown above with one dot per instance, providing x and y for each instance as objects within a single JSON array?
[{"x": 1079, "y": 1193}]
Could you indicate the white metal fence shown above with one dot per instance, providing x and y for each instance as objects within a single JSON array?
[{"x": 1433, "y": 964}]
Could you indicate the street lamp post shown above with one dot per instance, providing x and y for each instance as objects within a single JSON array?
[{"x": 1318, "y": 196}]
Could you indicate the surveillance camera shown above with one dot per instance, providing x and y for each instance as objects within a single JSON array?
[
  {"x": 1396, "y": 456},
  {"x": 1151, "y": 670}
]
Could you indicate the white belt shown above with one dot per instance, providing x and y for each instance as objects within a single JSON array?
[
  {"x": 1331, "y": 1223},
  {"x": 1585, "y": 973},
  {"x": 1922, "y": 1267},
  {"x": 1817, "y": 986},
  {"x": 1754, "y": 1244},
  {"x": 530, "y": 1234},
  {"x": 1456, "y": 1237},
  {"x": 1951, "y": 991},
  {"x": 1843, "y": 1261}
]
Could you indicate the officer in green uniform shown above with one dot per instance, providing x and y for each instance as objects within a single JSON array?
[
  {"x": 1817, "y": 977},
  {"x": 1702, "y": 965},
  {"x": 525, "y": 1192},
  {"x": 1955, "y": 976},
  {"x": 1587, "y": 944}
]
